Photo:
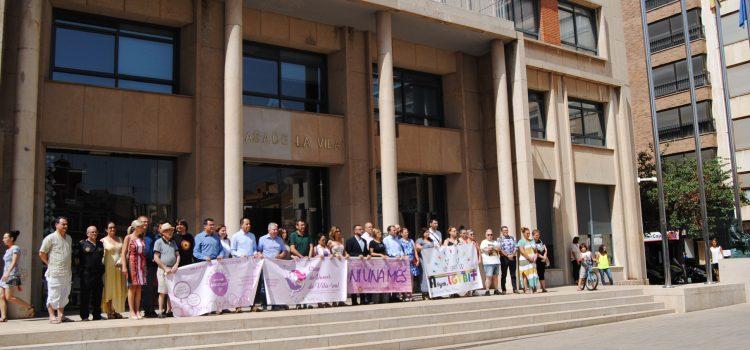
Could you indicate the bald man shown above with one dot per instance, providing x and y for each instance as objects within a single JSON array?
[{"x": 90, "y": 269}]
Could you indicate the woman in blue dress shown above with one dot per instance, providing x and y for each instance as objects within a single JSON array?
[{"x": 408, "y": 245}]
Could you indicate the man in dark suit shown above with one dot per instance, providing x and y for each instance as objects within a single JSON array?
[{"x": 357, "y": 246}]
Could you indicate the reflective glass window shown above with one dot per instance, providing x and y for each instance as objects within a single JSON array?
[
  {"x": 586, "y": 122},
  {"x": 537, "y": 115},
  {"x": 577, "y": 26},
  {"x": 418, "y": 97}
]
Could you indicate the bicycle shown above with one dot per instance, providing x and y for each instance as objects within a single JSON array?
[{"x": 592, "y": 278}]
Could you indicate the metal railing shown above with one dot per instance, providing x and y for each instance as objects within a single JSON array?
[
  {"x": 701, "y": 79},
  {"x": 663, "y": 42},
  {"x": 652, "y": 4},
  {"x": 494, "y": 8},
  {"x": 686, "y": 130}
]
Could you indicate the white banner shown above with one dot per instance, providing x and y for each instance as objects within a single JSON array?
[
  {"x": 304, "y": 281},
  {"x": 451, "y": 270},
  {"x": 205, "y": 287}
]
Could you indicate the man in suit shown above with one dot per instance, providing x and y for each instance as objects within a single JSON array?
[{"x": 357, "y": 246}]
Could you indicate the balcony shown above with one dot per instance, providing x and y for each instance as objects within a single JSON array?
[
  {"x": 682, "y": 131},
  {"x": 663, "y": 42},
  {"x": 701, "y": 79},
  {"x": 652, "y": 4}
]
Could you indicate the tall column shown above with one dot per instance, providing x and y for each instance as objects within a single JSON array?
[
  {"x": 25, "y": 140},
  {"x": 387, "y": 113},
  {"x": 522, "y": 137},
  {"x": 502, "y": 137},
  {"x": 233, "y": 114}
]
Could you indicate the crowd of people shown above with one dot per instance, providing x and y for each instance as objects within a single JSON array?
[{"x": 114, "y": 270}]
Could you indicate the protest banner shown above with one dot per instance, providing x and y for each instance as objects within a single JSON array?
[
  {"x": 205, "y": 287},
  {"x": 378, "y": 275},
  {"x": 451, "y": 270},
  {"x": 304, "y": 281}
]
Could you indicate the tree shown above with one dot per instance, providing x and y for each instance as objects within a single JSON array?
[{"x": 682, "y": 198}]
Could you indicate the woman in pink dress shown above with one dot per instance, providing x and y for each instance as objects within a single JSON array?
[{"x": 134, "y": 266}]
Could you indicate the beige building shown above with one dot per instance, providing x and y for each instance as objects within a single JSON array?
[
  {"x": 477, "y": 113},
  {"x": 671, "y": 87}
]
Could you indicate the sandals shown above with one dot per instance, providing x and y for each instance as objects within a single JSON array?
[
  {"x": 55, "y": 321},
  {"x": 29, "y": 312}
]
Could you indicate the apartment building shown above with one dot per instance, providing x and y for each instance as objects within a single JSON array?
[{"x": 477, "y": 113}]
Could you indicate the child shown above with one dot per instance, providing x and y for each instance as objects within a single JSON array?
[
  {"x": 586, "y": 263},
  {"x": 167, "y": 257}
]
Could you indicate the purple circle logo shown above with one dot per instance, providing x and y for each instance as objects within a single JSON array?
[{"x": 218, "y": 283}]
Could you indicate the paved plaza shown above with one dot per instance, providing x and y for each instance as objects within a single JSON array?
[{"x": 719, "y": 328}]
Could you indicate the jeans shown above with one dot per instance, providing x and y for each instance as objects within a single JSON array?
[
  {"x": 505, "y": 265},
  {"x": 607, "y": 272}
]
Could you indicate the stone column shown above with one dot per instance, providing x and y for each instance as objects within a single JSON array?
[
  {"x": 502, "y": 137},
  {"x": 233, "y": 120},
  {"x": 522, "y": 137},
  {"x": 388, "y": 171},
  {"x": 25, "y": 140}
]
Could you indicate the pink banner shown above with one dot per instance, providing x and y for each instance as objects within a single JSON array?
[{"x": 378, "y": 276}]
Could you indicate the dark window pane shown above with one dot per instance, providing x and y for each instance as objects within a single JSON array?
[
  {"x": 260, "y": 75},
  {"x": 567, "y": 28},
  {"x": 300, "y": 81},
  {"x": 528, "y": 20},
  {"x": 83, "y": 79},
  {"x": 84, "y": 50},
  {"x": 260, "y": 101},
  {"x": 537, "y": 118},
  {"x": 293, "y": 105},
  {"x": 138, "y": 85},
  {"x": 143, "y": 58}
]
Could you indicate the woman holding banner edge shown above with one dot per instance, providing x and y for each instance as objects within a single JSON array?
[{"x": 407, "y": 244}]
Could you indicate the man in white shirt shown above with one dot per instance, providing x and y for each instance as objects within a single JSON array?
[
  {"x": 437, "y": 236},
  {"x": 367, "y": 235},
  {"x": 56, "y": 252},
  {"x": 243, "y": 241}
]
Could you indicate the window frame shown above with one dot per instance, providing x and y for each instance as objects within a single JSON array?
[
  {"x": 569, "y": 7},
  {"x": 599, "y": 109},
  {"x": 84, "y": 22},
  {"x": 322, "y": 102},
  {"x": 685, "y": 128},
  {"x": 516, "y": 21},
  {"x": 700, "y": 76},
  {"x": 398, "y": 74},
  {"x": 540, "y": 98},
  {"x": 676, "y": 37}
]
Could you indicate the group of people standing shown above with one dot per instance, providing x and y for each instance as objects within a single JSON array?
[{"x": 582, "y": 260}]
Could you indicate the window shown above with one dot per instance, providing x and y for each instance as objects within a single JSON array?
[
  {"x": 737, "y": 79},
  {"x": 668, "y": 33},
  {"x": 652, "y": 4},
  {"x": 537, "y": 115},
  {"x": 731, "y": 30},
  {"x": 420, "y": 199},
  {"x": 707, "y": 153},
  {"x": 678, "y": 122},
  {"x": 586, "y": 122},
  {"x": 672, "y": 77},
  {"x": 577, "y": 26},
  {"x": 594, "y": 217},
  {"x": 113, "y": 53},
  {"x": 418, "y": 97},
  {"x": 543, "y": 193},
  {"x": 284, "y": 78},
  {"x": 524, "y": 13},
  {"x": 741, "y": 134}
]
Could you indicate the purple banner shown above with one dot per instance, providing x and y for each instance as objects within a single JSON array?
[{"x": 378, "y": 275}]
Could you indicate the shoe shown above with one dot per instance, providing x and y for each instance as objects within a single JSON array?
[
  {"x": 516, "y": 291},
  {"x": 169, "y": 314},
  {"x": 97, "y": 318},
  {"x": 162, "y": 315},
  {"x": 497, "y": 292},
  {"x": 150, "y": 315},
  {"x": 487, "y": 293}
]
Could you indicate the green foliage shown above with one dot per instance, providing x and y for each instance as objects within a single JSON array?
[{"x": 682, "y": 198}]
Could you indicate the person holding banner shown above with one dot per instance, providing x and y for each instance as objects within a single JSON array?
[
  {"x": 490, "y": 261},
  {"x": 527, "y": 261},
  {"x": 167, "y": 257},
  {"x": 393, "y": 249},
  {"x": 407, "y": 244},
  {"x": 507, "y": 259},
  {"x": 242, "y": 243},
  {"x": 452, "y": 237},
  {"x": 367, "y": 235},
  {"x": 207, "y": 243},
  {"x": 423, "y": 243},
  {"x": 336, "y": 242},
  {"x": 185, "y": 241},
  {"x": 377, "y": 250},
  {"x": 356, "y": 246},
  {"x": 226, "y": 244},
  {"x": 269, "y": 246}
]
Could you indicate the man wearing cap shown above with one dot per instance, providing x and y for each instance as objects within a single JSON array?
[{"x": 167, "y": 257}]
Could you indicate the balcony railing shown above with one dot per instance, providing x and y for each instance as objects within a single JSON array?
[
  {"x": 663, "y": 42},
  {"x": 678, "y": 132},
  {"x": 652, "y": 4},
  {"x": 701, "y": 79},
  {"x": 494, "y": 8}
]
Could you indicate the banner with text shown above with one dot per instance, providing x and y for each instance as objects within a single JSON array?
[
  {"x": 304, "y": 281},
  {"x": 452, "y": 270},
  {"x": 378, "y": 275},
  {"x": 205, "y": 287}
]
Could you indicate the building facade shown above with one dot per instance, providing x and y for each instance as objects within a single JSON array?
[
  {"x": 477, "y": 113},
  {"x": 671, "y": 86}
]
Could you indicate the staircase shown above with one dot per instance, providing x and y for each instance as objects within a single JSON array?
[{"x": 445, "y": 323}]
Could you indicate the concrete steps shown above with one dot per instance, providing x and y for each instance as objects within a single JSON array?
[{"x": 398, "y": 326}]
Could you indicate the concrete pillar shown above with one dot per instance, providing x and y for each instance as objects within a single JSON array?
[
  {"x": 522, "y": 137},
  {"x": 2, "y": 32},
  {"x": 25, "y": 140},
  {"x": 387, "y": 113},
  {"x": 502, "y": 137},
  {"x": 636, "y": 264},
  {"x": 233, "y": 114}
]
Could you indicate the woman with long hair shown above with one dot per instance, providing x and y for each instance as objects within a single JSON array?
[
  {"x": 226, "y": 244},
  {"x": 336, "y": 241},
  {"x": 115, "y": 291},
  {"x": 527, "y": 261},
  {"x": 134, "y": 266},
  {"x": 407, "y": 244},
  {"x": 377, "y": 250},
  {"x": 11, "y": 280},
  {"x": 602, "y": 264},
  {"x": 452, "y": 237},
  {"x": 425, "y": 242}
]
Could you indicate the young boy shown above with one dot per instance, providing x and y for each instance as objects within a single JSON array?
[{"x": 167, "y": 257}]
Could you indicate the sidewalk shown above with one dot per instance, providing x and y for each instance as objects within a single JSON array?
[{"x": 720, "y": 328}]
